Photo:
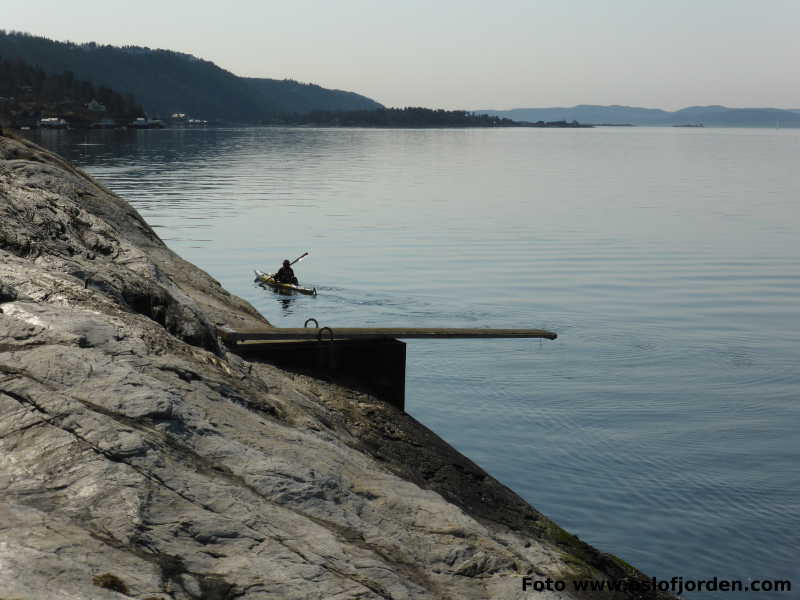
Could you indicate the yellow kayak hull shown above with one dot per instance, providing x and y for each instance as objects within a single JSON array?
[{"x": 287, "y": 288}]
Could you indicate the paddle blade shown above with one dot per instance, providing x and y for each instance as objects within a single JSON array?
[{"x": 299, "y": 258}]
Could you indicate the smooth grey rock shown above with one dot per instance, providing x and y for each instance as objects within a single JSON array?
[
  {"x": 133, "y": 447},
  {"x": 61, "y": 219}
]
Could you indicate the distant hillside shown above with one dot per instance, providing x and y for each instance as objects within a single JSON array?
[
  {"x": 710, "y": 116},
  {"x": 289, "y": 96},
  {"x": 721, "y": 116},
  {"x": 584, "y": 114},
  {"x": 166, "y": 82}
]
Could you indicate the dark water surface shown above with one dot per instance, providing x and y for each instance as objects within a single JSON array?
[{"x": 661, "y": 426}]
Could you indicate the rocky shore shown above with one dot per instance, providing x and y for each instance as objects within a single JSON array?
[{"x": 140, "y": 459}]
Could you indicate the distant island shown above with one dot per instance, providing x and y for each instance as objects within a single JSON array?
[
  {"x": 709, "y": 116},
  {"x": 412, "y": 117}
]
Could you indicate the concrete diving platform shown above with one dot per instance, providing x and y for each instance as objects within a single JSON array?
[
  {"x": 378, "y": 333},
  {"x": 369, "y": 359}
]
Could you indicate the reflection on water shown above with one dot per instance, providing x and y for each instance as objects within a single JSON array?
[
  {"x": 286, "y": 299},
  {"x": 660, "y": 426}
]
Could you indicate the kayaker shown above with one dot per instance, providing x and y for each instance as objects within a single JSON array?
[{"x": 286, "y": 274}]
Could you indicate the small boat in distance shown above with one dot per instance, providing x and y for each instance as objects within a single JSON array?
[
  {"x": 690, "y": 125},
  {"x": 145, "y": 123}
]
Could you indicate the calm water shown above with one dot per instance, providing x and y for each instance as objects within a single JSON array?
[{"x": 661, "y": 426}]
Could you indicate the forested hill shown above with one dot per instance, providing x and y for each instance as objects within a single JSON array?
[
  {"x": 293, "y": 97},
  {"x": 167, "y": 82},
  {"x": 27, "y": 94}
]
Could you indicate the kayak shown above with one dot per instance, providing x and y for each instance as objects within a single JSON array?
[{"x": 267, "y": 279}]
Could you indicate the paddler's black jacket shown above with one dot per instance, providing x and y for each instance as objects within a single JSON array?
[{"x": 286, "y": 275}]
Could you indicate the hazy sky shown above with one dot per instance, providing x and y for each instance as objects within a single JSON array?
[{"x": 469, "y": 53}]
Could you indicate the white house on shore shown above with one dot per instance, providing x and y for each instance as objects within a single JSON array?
[{"x": 53, "y": 123}]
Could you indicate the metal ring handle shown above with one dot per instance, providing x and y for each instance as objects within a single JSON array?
[
  {"x": 316, "y": 323},
  {"x": 319, "y": 335}
]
